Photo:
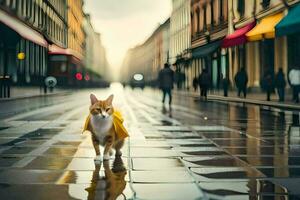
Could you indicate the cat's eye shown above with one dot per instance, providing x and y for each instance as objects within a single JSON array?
[{"x": 107, "y": 109}]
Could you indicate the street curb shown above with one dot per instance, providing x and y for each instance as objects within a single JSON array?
[
  {"x": 256, "y": 102},
  {"x": 34, "y": 96},
  {"x": 249, "y": 101}
]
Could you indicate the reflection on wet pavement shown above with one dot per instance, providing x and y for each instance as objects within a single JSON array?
[{"x": 198, "y": 151}]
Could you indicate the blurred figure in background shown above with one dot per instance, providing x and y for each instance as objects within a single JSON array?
[
  {"x": 225, "y": 84},
  {"x": 204, "y": 83},
  {"x": 195, "y": 84},
  {"x": 280, "y": 84},
  {"x": 166, "y": 81},
  {"x": 294, "y": 79},
  {"x": 268, "y": 82},
  {"x": 241, "y": 81}
]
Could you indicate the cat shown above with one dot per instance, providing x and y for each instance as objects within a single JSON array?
[{"x": 105, "y": 125}]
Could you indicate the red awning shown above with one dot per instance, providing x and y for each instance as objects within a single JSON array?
[
  {"x": 238, "y": 37},
  {"x": 22, "y": 29}
]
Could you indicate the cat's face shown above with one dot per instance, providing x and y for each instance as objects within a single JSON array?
[{"x": 102, "y": 109}]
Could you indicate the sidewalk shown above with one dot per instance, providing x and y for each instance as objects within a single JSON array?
[
  {"x": 29, "y": 92},
  {"x": 258, "y": 98}
]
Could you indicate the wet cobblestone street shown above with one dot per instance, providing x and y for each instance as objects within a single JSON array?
[{"x": 196, "y": 150}]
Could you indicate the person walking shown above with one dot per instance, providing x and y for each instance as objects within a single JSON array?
[
  {"x": 294, "y": 79},
  {"x": 241, "y": 81},
  {"x": 195, "y": 83},
  {"x": 225, "y": 84},
  {"x": 280, "y": 84},
  {"x": 268, "y": 82},
  {"x": 166, "y": 82},
  {"x": 204, "y": 83}
]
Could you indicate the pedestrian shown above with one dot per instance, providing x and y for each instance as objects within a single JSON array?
[
  {"x": 241, "y": 81},
  {"x": 225, "y": 84},
  {"x": 280, "y": 84},
  {"x": 204, "y": 83},
  {"x": 268, "y": 82},
  {"x": 294, "y": 80},
  {"x": 195, "y": 83},
  {"x": 166, "y": 81}
]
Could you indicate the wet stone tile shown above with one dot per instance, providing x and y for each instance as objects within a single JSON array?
[
  {"x": 35, "y": 191},
  {"x": 61, "y": 151},
  {"x": 278, "y": 161},
  {"x": 228, "y": 173},
  {"x": 49, "y": 163},
  {"x": 152, "y": 152},
  {"x": 173, "y": 128},
  {"x": 163, "y": 176},
  {"x": 280, "y": 172},
  {"x": 67, "y": 143},
  {"x": 181, "y": 191},
  {"x": 7, "y": 161},
  {"x": 29, "y": 176},
  {"x": 226, "y": 135},
  {"x": 217, "y": 161},
  {"x": 252, "y": 188},
  {"x": 19, "y": 150},
  {"x": 157, "y": 164}
]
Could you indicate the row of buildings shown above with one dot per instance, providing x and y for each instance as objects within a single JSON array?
[
  {"x": 221, "y": 36},
  {"x": 39, "y": 38}
]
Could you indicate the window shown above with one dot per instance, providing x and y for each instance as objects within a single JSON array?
[
  {"x": 265, "y": 3},
  {"x": 241, "y": 7}
]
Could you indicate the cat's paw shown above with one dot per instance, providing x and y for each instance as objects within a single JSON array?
[
  {"x": 106, "y": 157},
  {"x": 98, "y": 159},
  {"x": 118, "y": 153}
]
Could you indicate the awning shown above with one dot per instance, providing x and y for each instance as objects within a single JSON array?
[
  {"x": 22, "y": 29},
  {"x": 56, "y": 50},
  {"x": 206, "y": 50},
  {"x": 289, "y": 24},
  {"x": 238, "y": 37},
  {"x": 265, "y": 29}
]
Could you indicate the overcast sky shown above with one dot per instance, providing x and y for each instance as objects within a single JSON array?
[{"x": 125, "y": 23}]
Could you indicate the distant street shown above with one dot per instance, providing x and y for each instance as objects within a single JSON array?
[{"x": 196, "y": 150}]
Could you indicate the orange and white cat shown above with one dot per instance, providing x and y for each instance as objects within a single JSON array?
[{"x": 101, "y": 125}]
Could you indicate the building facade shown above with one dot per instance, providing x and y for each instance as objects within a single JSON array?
[
  {"x": 180, "y": 38},
  {"x": 209, "y": 22},
  {"x": 149, "y": 57},
  {"x": 95, "y": 61},
  {"x": 264, "y": 51},
  {"x": 27, "y": 28},
  {"x": 66, "y": 63}
]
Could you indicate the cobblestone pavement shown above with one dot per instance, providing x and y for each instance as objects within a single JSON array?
[{"x": 196, "y": 150}]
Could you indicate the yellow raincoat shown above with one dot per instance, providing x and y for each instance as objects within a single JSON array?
[{"x": 118, "y": 125}]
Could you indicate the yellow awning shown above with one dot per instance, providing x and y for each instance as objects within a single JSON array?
[{"x": 265, "y": 29}]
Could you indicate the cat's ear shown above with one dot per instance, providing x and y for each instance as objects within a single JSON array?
[
  {"x": 110, "y": 99},
  {"x": 93, "y": 99}
]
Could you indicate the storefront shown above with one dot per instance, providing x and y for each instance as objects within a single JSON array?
[
  {"x": 19, "y": 39},
  {"x": 212, "y": 58},
  {"x": 290, "y": 26}
]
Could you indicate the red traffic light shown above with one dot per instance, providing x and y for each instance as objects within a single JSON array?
[{"x": 78, "y": 76}]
